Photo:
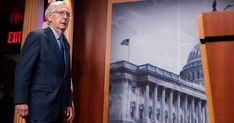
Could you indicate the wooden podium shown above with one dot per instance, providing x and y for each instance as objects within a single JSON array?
[{"x": 216, "y": 32}]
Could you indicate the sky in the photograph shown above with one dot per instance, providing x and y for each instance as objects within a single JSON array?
[{"x": 161, "y": 32}]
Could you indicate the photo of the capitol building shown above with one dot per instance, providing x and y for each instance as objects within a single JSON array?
[{"x": 149, "y": 94}]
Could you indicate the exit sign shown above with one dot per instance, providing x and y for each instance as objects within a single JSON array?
[{"x": 14, "y": 37}]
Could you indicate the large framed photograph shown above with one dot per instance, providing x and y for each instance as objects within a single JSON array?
[{"x": 156, "y": 72}]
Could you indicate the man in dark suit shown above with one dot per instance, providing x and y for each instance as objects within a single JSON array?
[{"x": 42, "y": 79}]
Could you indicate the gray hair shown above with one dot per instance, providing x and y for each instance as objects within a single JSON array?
[{"x": 52, "y": 7}]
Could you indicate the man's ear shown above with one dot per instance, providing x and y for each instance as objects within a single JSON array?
[{"x": 49, "y": 17}]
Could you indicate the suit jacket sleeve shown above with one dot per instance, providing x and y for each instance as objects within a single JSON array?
[
  {"x": 69, "y": 96},
  {"x": 25, "y": 66}
]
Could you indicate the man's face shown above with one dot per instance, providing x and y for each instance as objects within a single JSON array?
[{"x": 59, "y": 19}]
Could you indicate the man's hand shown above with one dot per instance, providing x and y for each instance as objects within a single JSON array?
[
  {"x": 68, "y": 113},
  {"x": 22, "y": 109}
]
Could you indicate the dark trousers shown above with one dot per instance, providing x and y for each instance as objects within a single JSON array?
[{"x": 60, "y": 120}]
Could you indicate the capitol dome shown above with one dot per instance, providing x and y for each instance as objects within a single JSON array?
[{"x": 192, "y": 71}]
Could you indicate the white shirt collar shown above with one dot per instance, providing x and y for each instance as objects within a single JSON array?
[{"x": 55, "y": 33}]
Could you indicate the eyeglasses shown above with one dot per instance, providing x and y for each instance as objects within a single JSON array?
[{"x": 62, "y": 13}]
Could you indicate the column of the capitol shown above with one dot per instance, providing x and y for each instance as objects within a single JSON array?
[
  {"x": 192, "y": 110},
  {"x": 178, "y": 108},
  {"x": 162, "y": 104},
  {"x": 206, "y": 113},
  {"x": 170, "y": 106},
  {"x": 155, "y": 101},
  {"x": 199, "y": 111},
  {"x": 146, "y": 108},
  {"x": 137, "y": 105},
  {"x": 203, "y": 114},
  {"x": 123, "y": 93},
  {"x": 185, "y": 108}
]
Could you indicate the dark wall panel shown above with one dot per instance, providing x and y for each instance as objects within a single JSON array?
[{"x": 89, "y": 60}]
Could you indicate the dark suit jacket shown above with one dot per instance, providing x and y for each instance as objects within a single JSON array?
[{"x": 42, "y": 80}]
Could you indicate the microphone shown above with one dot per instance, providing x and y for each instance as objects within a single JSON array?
[
  {"x": 214, "y": 6},
  {"x": 229, "y": 5}
]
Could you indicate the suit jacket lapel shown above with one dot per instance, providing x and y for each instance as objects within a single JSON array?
[{"x": 54, "y": 47}]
